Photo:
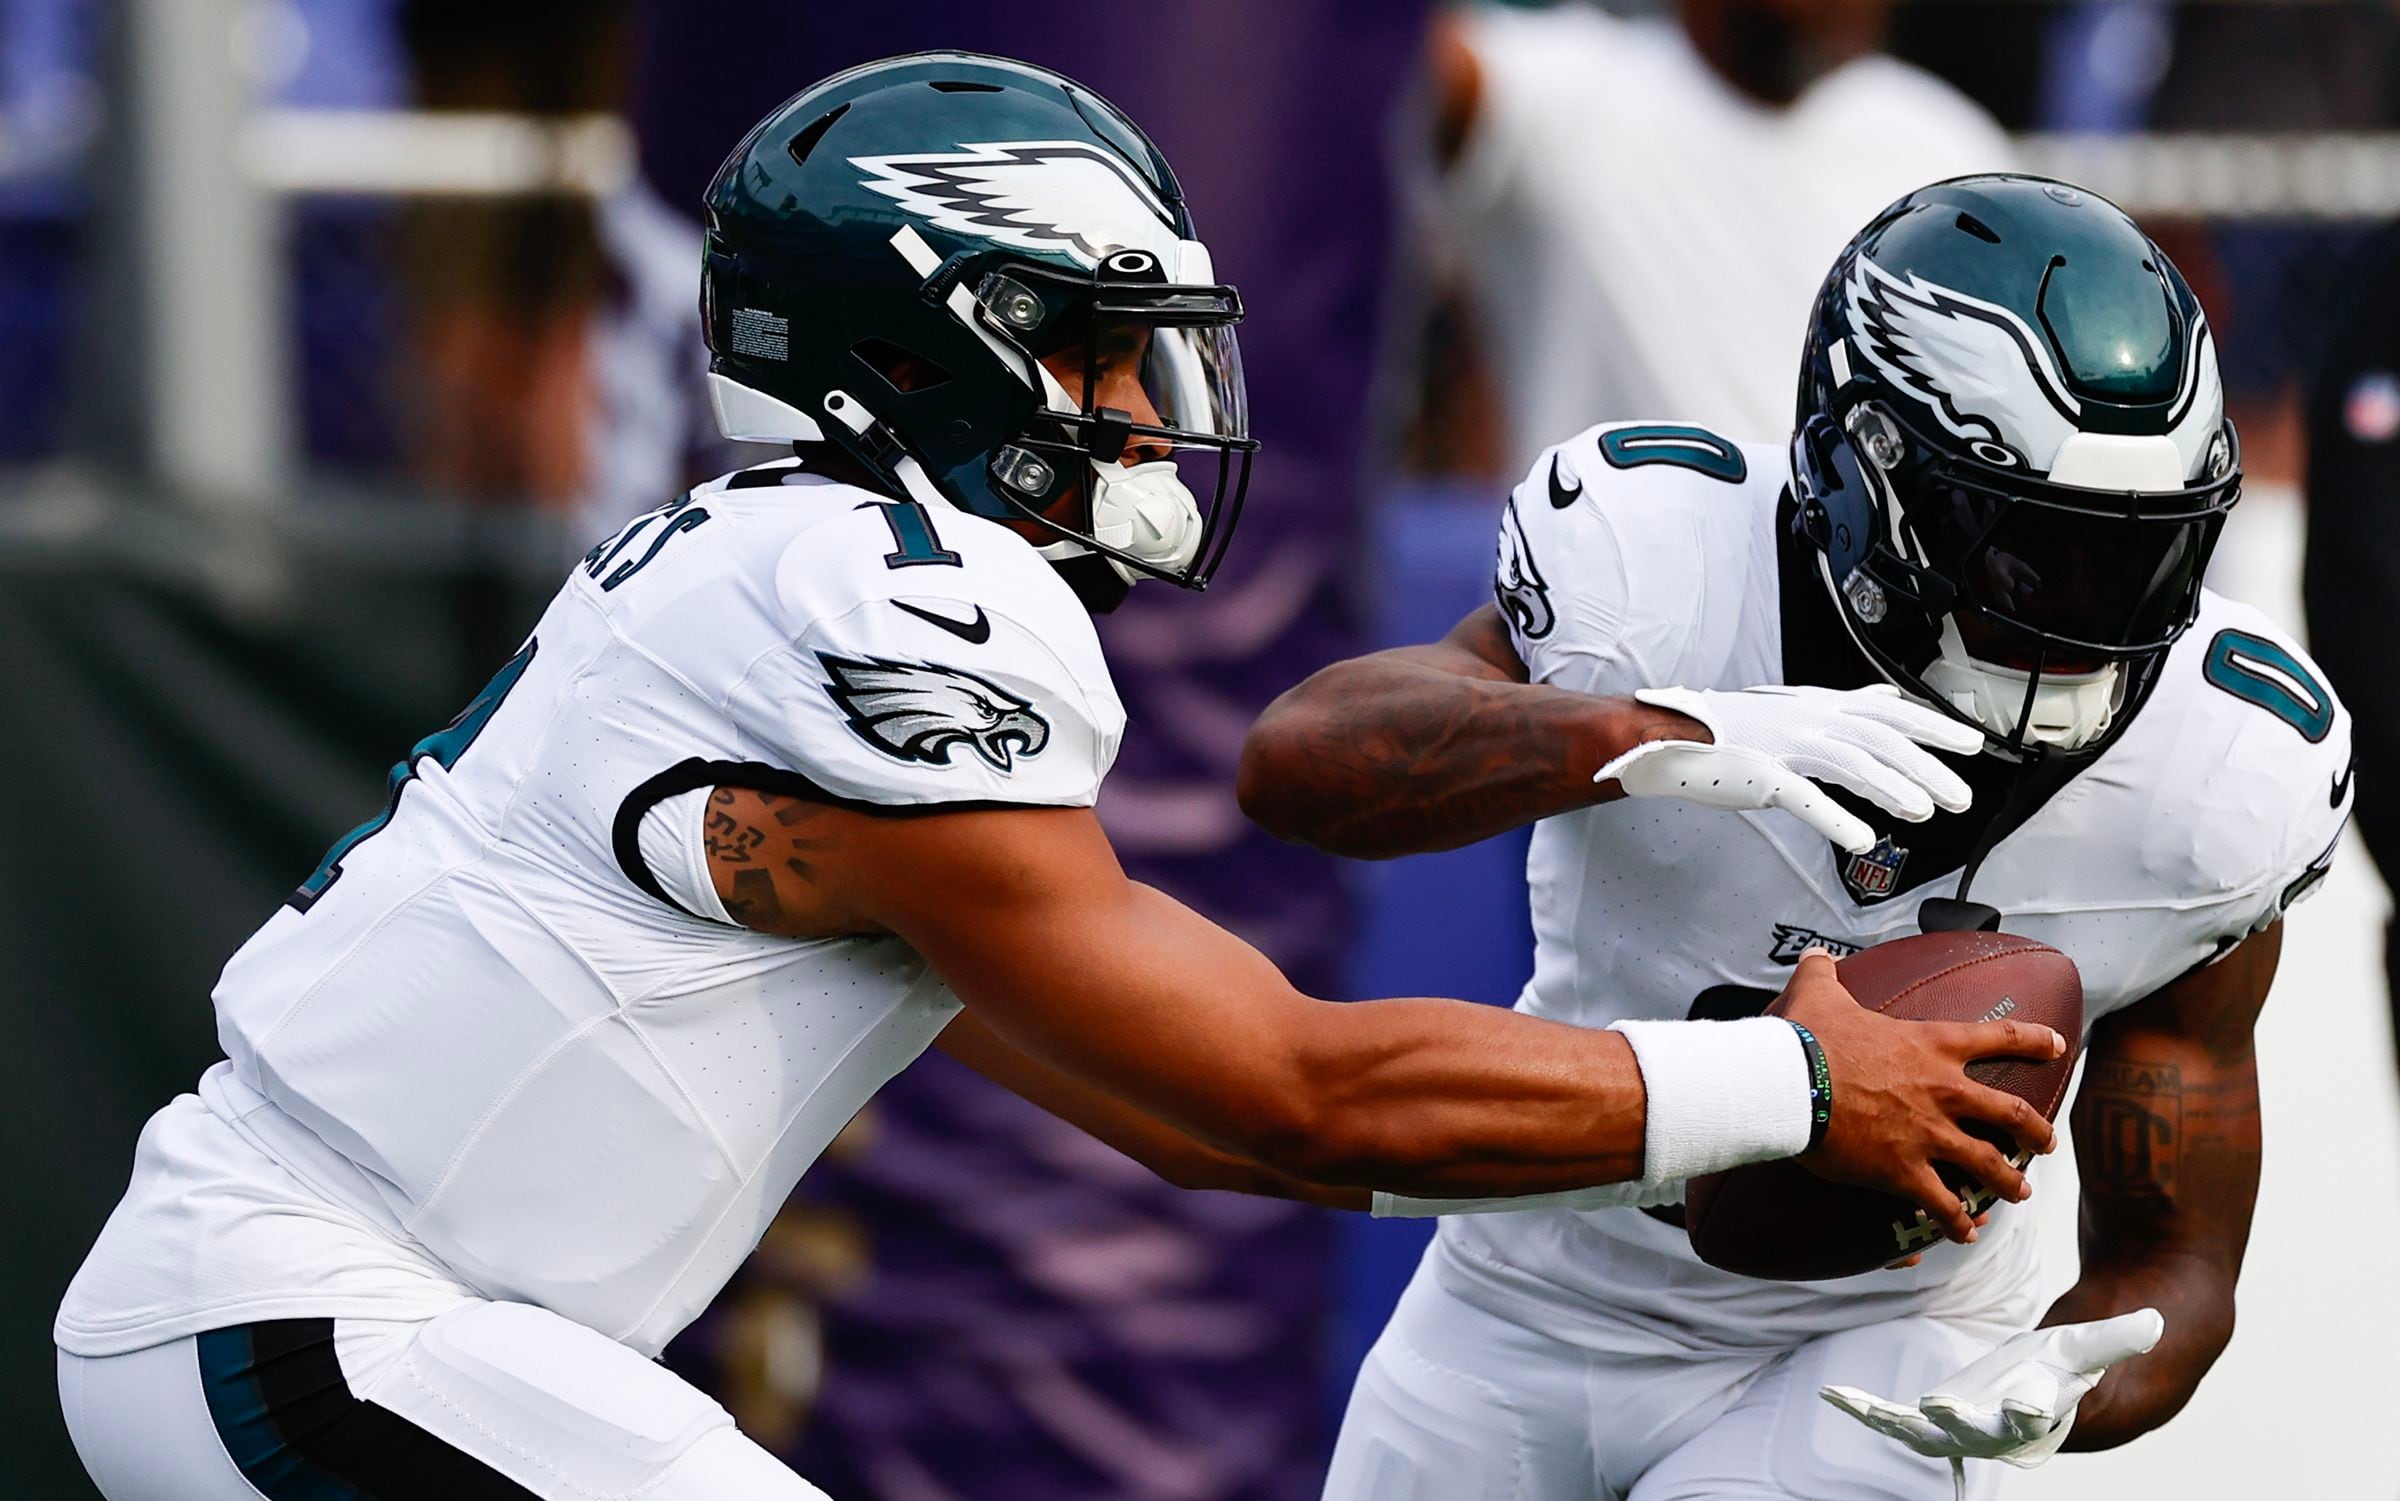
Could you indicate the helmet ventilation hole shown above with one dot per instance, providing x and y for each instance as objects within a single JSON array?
[
  {"x": 806, "y": 141},
  {"x": 1978, "y": 229},
  {"x": 962, "y": 86}
]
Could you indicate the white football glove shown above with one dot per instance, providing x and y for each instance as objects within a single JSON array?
[
  {"x": 2015, "y": 1405},
  {"x": 1772, "y": 741}
]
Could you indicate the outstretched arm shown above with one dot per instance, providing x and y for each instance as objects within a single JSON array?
[
  {"x": 1122, "y": 991},
  {"x": 1436, "y": 746},
  {"x": 1433, "y": 747},
  {"x": 1178, "y": 1158},
  {"x": 2167, "y": 1142}
]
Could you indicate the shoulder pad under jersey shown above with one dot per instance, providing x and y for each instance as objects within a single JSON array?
[
  {"x": 2243, "y": 756},
  {"x": 886, "y": 652},
  {"x": 1626, "y": 553}
]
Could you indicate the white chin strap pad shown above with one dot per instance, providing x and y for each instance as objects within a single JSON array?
[
  {"x": 1146, "y": 511},
  {"x": 2070, "y": 709}
]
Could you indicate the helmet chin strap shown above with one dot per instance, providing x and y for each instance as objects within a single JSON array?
[
  {"x": 2065, "y": 710},
  {"x": 889, "y": 456}
]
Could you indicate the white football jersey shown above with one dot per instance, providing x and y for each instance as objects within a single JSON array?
[
  {"x": 1644, "y": 555},
  {"x": 482, "y": 1051}
]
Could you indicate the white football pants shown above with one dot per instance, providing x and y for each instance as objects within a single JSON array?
[
  {"x": 1456, "y": 1403},
  {"x": 484, "y": 1400}
]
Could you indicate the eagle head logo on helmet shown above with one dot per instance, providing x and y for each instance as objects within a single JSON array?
[
  {"x": 1990, "y": 380},
  {"x": 1063, "y": 197},
  {"x": 1984, "y": 375},
  {"x": 922, "y": 711}
]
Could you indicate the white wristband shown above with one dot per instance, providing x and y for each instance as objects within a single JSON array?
[{"x": 1720, "y": 1094}]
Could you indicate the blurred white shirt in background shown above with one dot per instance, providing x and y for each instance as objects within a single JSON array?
[{"x": 1643, "y": 240}]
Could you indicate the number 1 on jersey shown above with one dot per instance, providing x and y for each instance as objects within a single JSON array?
[{"x": 912, "y": 529}]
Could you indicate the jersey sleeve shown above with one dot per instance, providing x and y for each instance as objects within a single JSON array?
[
  {"x": 2272, "y": 755},
  {"x": 969, "y": 682},
  {"x": 2308, "y": 792},
  {"x": 1603, "y": 575}
]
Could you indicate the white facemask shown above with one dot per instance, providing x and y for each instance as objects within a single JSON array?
[
  {"x": 1146, "y": 511},
  {"x": 2070, "y": 709}
]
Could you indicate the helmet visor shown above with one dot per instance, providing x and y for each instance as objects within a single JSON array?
[
  {"x": 1193, "y": 378},
  {"x": 2066, "y": 576}
]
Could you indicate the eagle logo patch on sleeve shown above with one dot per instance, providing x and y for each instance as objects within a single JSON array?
[
  {"x": 1518, "y": 586},
  {"x": 923, "y": 711}
]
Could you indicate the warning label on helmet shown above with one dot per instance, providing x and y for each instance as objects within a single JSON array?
[{"x": 761, "y": 335}]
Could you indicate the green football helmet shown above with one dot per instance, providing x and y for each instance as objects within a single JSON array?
[
  {"x": 2012, "y": 458},
  {"x": 892, "y": 256}
]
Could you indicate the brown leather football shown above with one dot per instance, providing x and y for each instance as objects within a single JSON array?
[{"x": 1778, "y": 1220}]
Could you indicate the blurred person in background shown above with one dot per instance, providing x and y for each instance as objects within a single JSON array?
[
  {"x": 2351, "y": 573},
  {"x": 502, "y": 294},
  {"x": 1642, "y": 208},
  {"x": 1099, "y": 1335}
]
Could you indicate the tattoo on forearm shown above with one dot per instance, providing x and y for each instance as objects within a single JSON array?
[
  {"x": 1473, "y": 761},
  {"x": 2158, "y": 1133},
  {"x": 2137, "y": 1127}
]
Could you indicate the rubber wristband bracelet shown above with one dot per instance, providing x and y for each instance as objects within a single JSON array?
[{"x": 1820, "y": 1085}]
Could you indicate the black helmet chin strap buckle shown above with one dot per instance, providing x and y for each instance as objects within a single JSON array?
[
  {"x": 870, "y": 440},
  {"x": 2038, "y": 775},
  {"x": 1943, "y": 914},
  {"x": 1105, "y": 433}
]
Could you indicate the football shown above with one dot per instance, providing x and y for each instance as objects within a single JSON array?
[{"x": 1778, "y": 1220}]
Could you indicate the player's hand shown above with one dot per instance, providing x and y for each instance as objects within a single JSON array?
[
  {"x": 1901, "y": 1098},
  {"x": 2016, "y": 1404},
  {"x": 1771, "y": 746}
]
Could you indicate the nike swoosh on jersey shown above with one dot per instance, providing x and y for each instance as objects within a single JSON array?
[
  {"x": 1560, "y": 496},
  {"x": 973, "y": 632},
  {"x": 2341, "y": 784}
]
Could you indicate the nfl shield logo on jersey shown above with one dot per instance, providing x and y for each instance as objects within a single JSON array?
[{"x": 1874, "y": 875}]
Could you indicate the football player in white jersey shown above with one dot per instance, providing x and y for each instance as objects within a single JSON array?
[
  {"x": 794, "y": 777},
  {"x": 2011, "y": 465}
]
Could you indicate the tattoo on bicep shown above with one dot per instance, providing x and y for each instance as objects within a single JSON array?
[
  {"x": 777, "y": 851},
  {"x": 754, "y": 902},
  {"x": 730, "y": 839},
  {"x": 2222, "y": 1112}
]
